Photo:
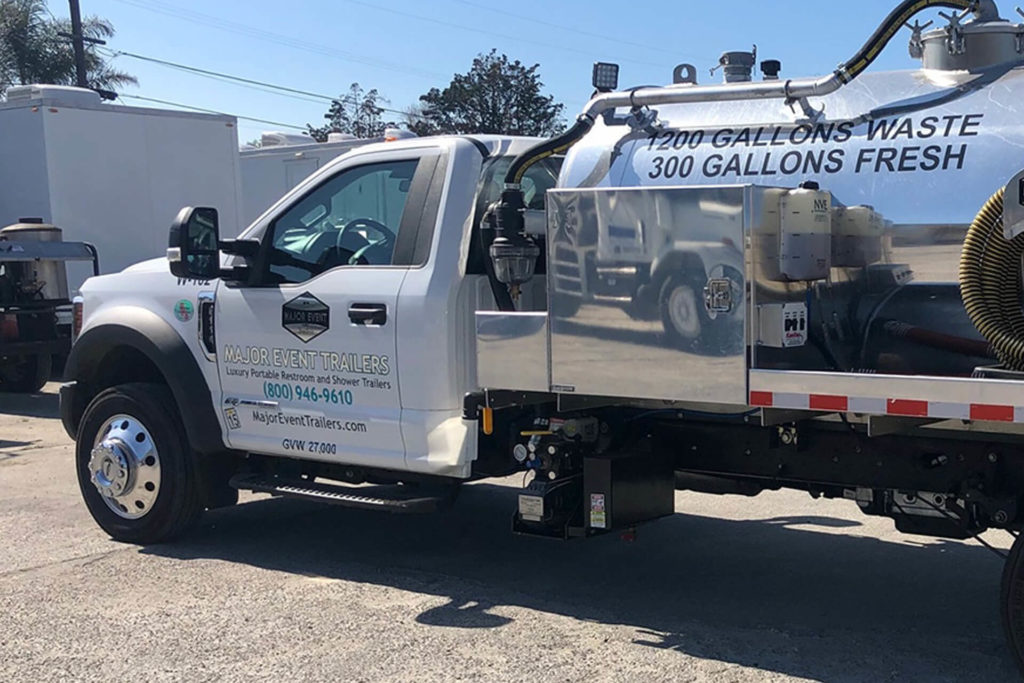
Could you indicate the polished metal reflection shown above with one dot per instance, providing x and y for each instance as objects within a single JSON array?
[
  {"x": 647, "y": 292},
  {"x": 925, "y": 149},
  {"x": 512, "y": 350}
]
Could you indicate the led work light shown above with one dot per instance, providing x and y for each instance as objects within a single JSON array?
[{"x": 605, "y": 77}]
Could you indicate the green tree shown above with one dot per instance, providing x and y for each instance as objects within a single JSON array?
[
  {"x": 496, "y": 96},
  {"x": 357, "y": 113},
  {"x": 32, "y": 52}
]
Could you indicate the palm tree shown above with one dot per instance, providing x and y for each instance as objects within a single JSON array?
[{"x": 32, "y": 52}]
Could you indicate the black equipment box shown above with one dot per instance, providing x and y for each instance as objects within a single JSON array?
[{"x": 624, "y": 489}]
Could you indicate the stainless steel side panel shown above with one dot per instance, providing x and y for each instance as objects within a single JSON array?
[
  {"x": 655, "y": 338},
  {"x": 512, "y": 351}
]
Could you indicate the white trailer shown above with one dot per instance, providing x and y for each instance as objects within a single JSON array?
[{"x": 112, "y": 175}]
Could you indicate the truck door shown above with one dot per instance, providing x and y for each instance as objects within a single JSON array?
[{"x": 306, "y": 349}]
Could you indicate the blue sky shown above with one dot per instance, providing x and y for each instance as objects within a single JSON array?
[{"x": 405, "y": 47}]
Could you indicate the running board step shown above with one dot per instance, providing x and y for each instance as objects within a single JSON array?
[{"x": 397, "y": 499}]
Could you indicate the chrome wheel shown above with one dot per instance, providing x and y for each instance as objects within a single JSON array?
[
  {"x": 124, "y": 466},
  {"x": 682, "y": 311}
]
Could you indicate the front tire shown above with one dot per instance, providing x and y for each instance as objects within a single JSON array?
[{"x": 138, "y": 476}]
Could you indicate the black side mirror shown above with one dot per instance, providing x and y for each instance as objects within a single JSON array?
[{"x": 192, "y": 246}]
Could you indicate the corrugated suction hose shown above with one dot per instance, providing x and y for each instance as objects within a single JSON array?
[{"x": 991, "y": 285}]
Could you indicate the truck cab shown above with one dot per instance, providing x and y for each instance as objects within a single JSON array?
[{"x": 368, "y": 265}]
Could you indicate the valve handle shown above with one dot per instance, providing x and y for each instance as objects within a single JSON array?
[{"x": 955, "y": 18}]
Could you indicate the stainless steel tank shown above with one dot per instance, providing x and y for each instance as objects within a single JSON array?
[
  {"x": 909, "y": 158},
  {"x": 925, "y": 148},
  {"x": 46, "y": 279}
]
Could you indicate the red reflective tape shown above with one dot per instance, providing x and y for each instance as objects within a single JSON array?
[
  {"x": 982, "y": 411},
  {"x": 896, "y": 406},
  {"x": 827, "y": 402},
  {"x": 763, "y": 399}
]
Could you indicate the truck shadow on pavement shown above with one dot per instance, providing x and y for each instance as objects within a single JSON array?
[
  {"x": 781, "y": 595},
  {"x": 30, "y": 405}
]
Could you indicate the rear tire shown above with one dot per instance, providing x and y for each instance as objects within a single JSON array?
[
  {"x": 26, "y": 375},
  {"x": 1011, "y": 602},
  {"x": 131, "y": 442}
]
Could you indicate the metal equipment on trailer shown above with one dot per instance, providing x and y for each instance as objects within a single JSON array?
[
  {"x": 33, "y": 288},
  {"x": 812, "y": 284}
]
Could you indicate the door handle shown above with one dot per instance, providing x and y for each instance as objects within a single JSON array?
[{"x": 368, "y": 314}]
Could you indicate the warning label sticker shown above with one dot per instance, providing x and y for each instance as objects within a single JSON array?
[{"x": 598, "y": 518}]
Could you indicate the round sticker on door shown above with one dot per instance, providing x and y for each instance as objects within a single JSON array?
[{"x": 183, "y": 310}]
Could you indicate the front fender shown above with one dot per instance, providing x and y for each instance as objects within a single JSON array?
[{"x": 121, "y": 328}]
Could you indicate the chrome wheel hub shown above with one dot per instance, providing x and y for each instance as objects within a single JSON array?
[
  {"x": 112, "y": 470},
  {"x": 124, "y": 466}
]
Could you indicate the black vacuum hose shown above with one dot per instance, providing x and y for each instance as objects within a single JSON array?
[
  {"x": 990, "y": 283},
  {"x": 887, "y": 29},
  {"x": 548, "y": 148}
]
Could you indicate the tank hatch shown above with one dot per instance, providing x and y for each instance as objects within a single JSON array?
[{"x": 968, "y": 46}]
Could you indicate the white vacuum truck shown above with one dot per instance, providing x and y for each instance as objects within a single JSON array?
[{"x": 811, "y": 284}]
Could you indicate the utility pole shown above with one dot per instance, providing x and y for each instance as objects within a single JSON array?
[{"x": 78, "y": 40}]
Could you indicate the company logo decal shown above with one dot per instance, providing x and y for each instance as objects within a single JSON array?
[
  {"x": 184, "y": 310},
  {"x": 306, "y": 317}
]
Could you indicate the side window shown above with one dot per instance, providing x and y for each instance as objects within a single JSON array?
[
  {"x": 540, "y": 178},
  {"x": 351, "y": 219}
]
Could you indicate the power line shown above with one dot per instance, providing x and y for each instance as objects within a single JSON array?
[
  {"x": 211, "y": 111},
  {"x": 304, "y": 95},
  {"x": 253, "y": 32},
  {"x": 463, "y": 27},
  {"x": 617, "y": 40},
  {"x": 238, "y": 28}
]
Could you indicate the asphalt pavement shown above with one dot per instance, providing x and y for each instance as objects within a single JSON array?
[{"x": 774, "y": 588}]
